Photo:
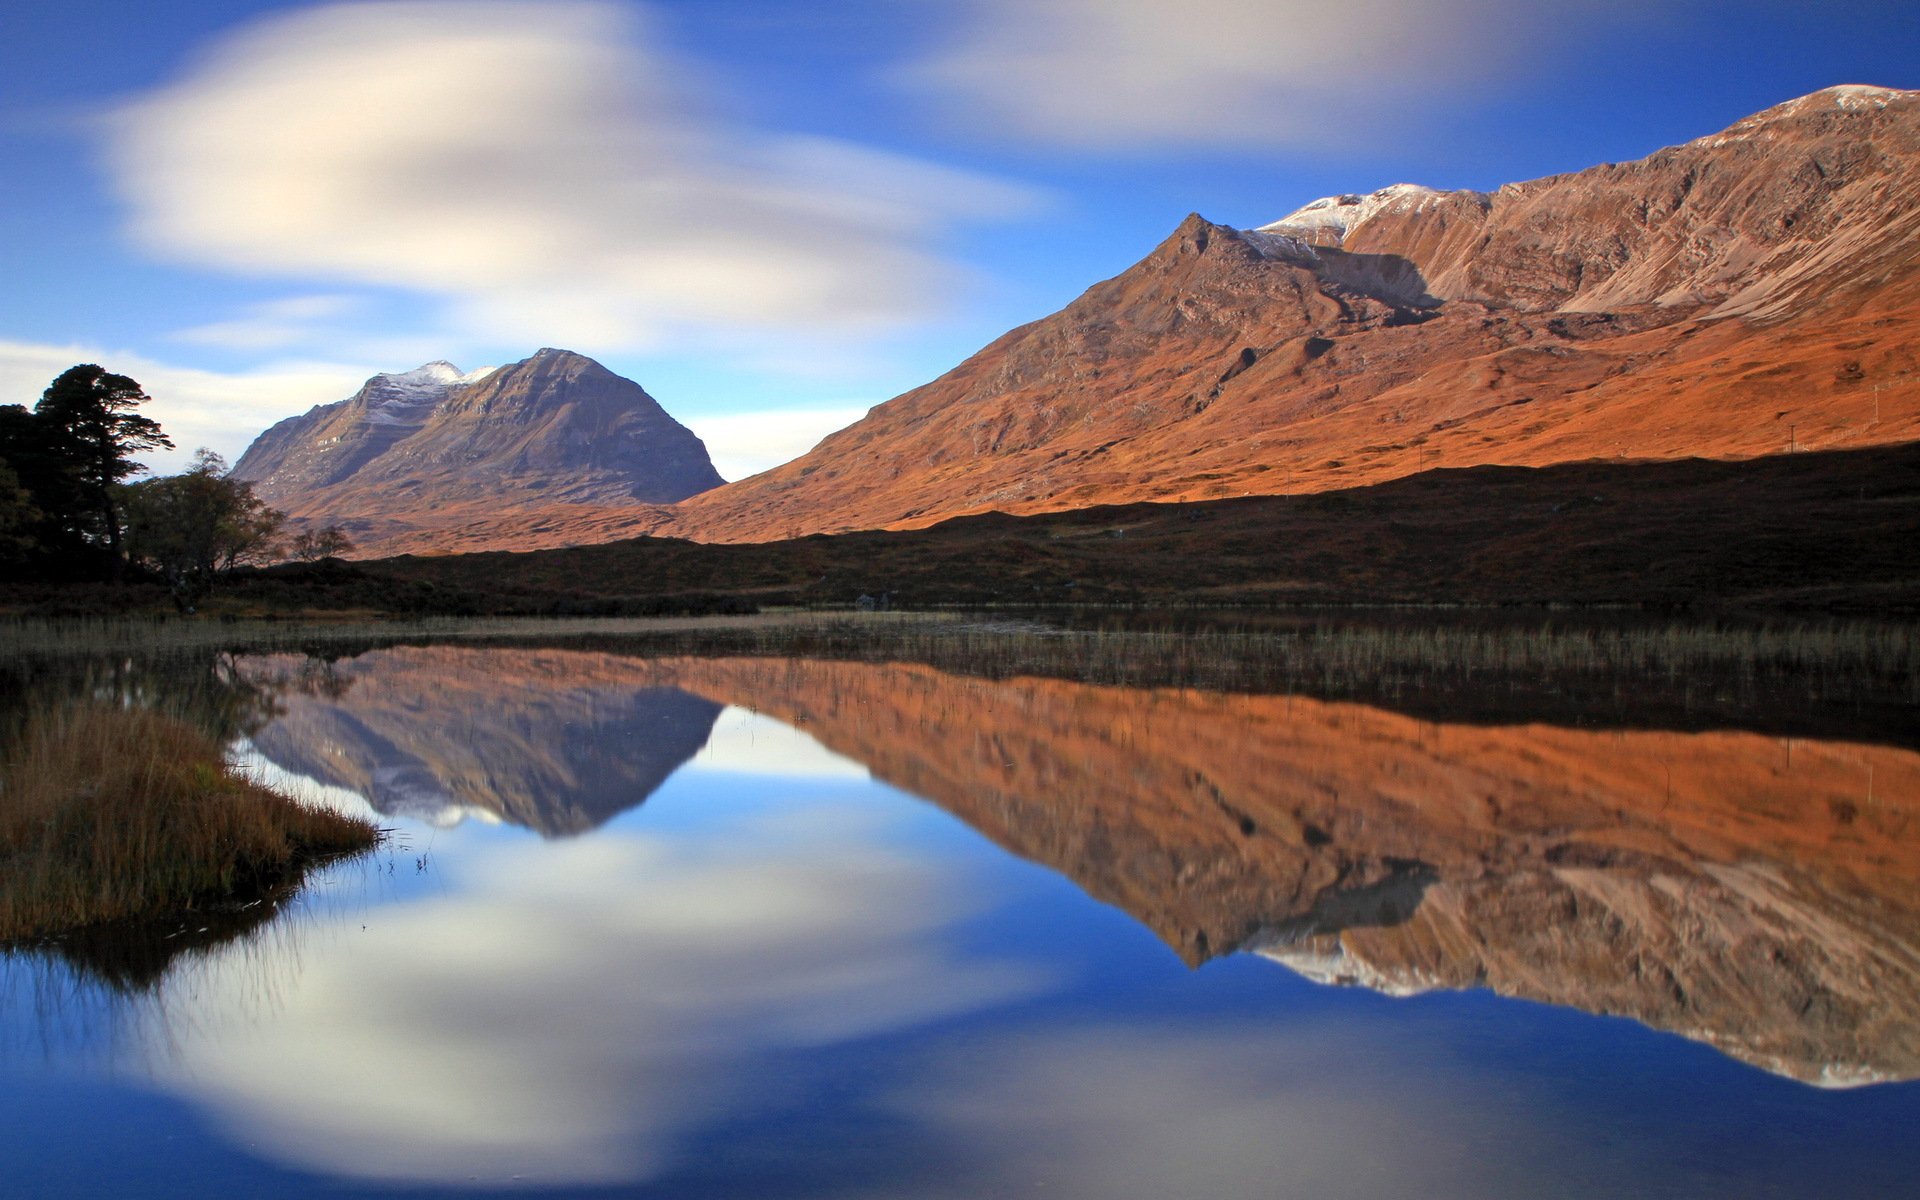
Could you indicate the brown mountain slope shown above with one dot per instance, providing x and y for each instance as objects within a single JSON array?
[
  {"x": 1730, "y": 297},
  {"x": 415, "y": 454}
]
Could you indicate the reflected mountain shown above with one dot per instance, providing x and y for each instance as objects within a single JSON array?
[
  {"x": 1750, "y": 892},
  {"x": 556, "y": 742},
  {"x": 1753, "y": 893}
]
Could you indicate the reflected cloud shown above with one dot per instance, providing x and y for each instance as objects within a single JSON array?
[
  {"x": 744, "y": 742},
  {"x": 570, "y": 1010},
  {"x": 1115, "y": 1112}
]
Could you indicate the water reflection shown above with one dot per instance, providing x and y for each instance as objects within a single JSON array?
[
  {"x": 564, "y": 1013},
  {"x": 554, "y": 742},
  {"x": 1754, "y": 893},
  {"x": 1751, "y": 892},
  {"x": 782, "y": 977}
]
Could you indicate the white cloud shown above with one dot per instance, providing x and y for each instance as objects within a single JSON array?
[
  {"x": 1129, "y": 74},
  {"x": 276, "y": 324},
  {"x": 542, "y": 167},
  {"x": 743, "y": 444},
  {"x": 196, "y": 408}
]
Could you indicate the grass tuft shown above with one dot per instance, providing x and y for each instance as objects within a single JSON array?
[{"x": 115, "y": 814}]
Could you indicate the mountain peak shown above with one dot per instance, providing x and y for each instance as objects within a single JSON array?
[
  {"x": 1856, "y": 99},
  {"x": 434, "y": 446},
  {"x": 550, "y": 360},
  {"x": 1328, "y": 220},
  {"x": 437, "y": 375}
]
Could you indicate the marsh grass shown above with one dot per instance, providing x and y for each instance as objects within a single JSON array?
[
  {"x": 113, "y": 814},
  {"x": 1837, "y": 659},
  {"x": 36, "y": 637},
  {"x": 1855, "y": 679}
]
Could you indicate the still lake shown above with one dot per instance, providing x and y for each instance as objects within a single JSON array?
[{"x": 702, "y": 927}]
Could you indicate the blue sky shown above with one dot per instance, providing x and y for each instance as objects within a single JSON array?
[{"x": 772, "y": 214}]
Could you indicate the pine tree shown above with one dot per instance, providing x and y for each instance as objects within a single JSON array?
[{"x": 88, "y": 420}]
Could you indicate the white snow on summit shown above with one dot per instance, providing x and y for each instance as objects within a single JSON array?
[
  {"x": 1334, "y": 967},
  {"x": 1855, "y": 97},
  {"x": 436, "y": 374},
  {"x": 406, "y": 397},
  {"x": 1339, "y": 216}
]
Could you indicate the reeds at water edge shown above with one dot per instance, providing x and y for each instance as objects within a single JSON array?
[{"x": 110, "y": 814}]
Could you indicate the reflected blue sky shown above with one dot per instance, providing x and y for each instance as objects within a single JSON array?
[{"x": 780, "y": 977}]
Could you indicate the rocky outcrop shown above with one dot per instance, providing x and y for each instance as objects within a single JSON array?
[{"x": 432, "y": 451}]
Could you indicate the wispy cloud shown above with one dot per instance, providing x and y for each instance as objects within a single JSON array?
[
  {"x": 548, "y": 170},
  {"x": 222, "y": 411},
  {"x": 274, "y": 324},
  {"x": 1125, "y": 75}
]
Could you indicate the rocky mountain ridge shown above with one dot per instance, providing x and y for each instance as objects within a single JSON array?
[
  {"x": 1743, "y": 294},
  {"x": 434, "y": 448}
]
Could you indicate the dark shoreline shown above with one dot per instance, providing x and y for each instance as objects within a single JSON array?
[{"x": 1814, "y": 532}]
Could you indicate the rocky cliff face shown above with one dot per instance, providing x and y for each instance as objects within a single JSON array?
[
  {"x": 1739, "y": 295},
  {"x": 432, "y": 450}
]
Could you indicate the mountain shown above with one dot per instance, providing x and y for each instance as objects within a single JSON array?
[
  {"x": 1742, "y": 294},
  {"x": 418, "y": 453}
]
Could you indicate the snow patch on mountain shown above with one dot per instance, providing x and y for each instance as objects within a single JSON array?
[
  {"x": 1281, "y": 246},
  {"x": 1335, "y": 217},
  {"x": 408, "y": 397},
  {"x": 1334, "y": 967}
]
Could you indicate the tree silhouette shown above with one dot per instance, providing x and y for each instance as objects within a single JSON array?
[
  {"x": 195, "y": 526},
  {"x": 87, "y": 420},
  {"x": 312, "y": 545}
]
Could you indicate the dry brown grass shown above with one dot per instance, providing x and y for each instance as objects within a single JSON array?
[{"x": 110, "y": 814}]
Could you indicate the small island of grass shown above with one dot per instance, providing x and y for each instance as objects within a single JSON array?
[{"x": 113, "y": 814}]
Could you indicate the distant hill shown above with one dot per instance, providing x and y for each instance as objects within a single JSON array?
[{"x": 416, "y": 453}]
